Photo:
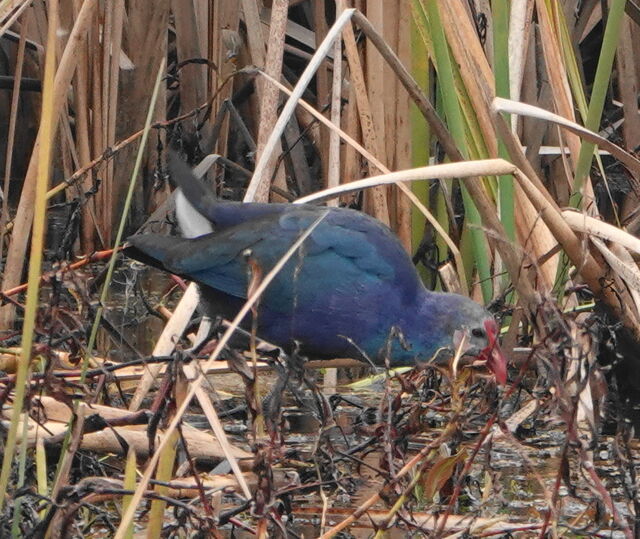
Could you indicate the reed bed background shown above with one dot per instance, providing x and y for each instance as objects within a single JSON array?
[{"x": 536, "y": 212}]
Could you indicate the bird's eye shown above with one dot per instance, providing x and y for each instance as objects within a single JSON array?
[{"x": 477, "y": 332}]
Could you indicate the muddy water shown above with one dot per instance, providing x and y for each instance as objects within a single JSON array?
[{"x": 513, "y": 478}]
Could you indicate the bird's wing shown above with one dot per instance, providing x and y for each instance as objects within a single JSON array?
[
  {"x": 214, "y": 259},
  {"x": 346, "y": 250}
]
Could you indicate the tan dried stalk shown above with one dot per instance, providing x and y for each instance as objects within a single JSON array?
[
  {"x": 24, "y": 215},
  {"x": 15, "y": 98},
  {"x": 269, "y": 100},
  {"x": 372, "y": 142}
]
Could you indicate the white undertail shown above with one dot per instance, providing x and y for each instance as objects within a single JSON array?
[{"x": 192, "y": 224}]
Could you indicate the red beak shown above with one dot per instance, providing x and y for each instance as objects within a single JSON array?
[{"x": 496, "y": 362}]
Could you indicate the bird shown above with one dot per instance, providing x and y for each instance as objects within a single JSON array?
[{"x": 351, "y": 289}]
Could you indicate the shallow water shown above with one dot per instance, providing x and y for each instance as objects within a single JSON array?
[{"x": 512, "y": 477}]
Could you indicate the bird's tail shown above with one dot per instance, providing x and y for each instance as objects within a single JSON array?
[
  {"x": 195, "y": 204},
  {"x": 192, "y": 222}
]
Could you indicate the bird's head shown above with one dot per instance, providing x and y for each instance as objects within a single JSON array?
[
  {"x": 472, "y": 330},
  {"x": 481, "y": 341}
]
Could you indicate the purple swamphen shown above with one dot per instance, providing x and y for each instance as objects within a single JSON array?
[{"x": 351, "y": 290}]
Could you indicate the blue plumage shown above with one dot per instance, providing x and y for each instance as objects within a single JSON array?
[{"x": 340, "y": 295}]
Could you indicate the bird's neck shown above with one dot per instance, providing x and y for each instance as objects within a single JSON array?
[{"x": 433, "y": 319}]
